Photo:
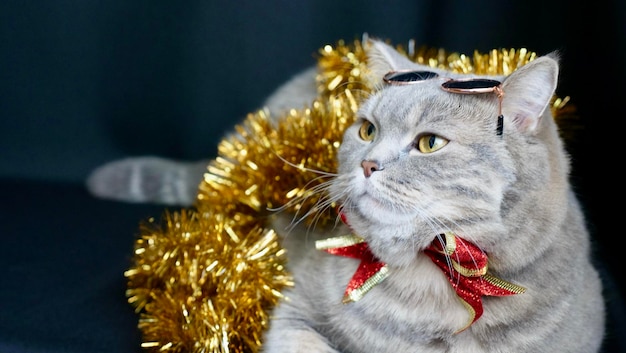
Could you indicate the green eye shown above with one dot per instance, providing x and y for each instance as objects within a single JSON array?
[
  {"x": 367, "y": 131},
  {"x": 430, "y": 143}
]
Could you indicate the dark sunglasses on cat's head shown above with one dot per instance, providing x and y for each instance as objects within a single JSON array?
[{"x": 462, "y": 86}]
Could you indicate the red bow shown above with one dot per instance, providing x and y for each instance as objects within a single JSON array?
[
  {"x": 371, "y": 271},
  {"x": 465, "y": 265},
  {"x": 463, "y": 262}
]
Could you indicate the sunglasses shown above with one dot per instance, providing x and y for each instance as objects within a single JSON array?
[{"x": 461, "y": 86}]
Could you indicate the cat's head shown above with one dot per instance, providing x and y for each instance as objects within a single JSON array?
[{"x": 420, "y": 160}]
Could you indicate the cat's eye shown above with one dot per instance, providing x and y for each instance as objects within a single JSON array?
[
  {"x": 430, "y": 143},
  {"x": 367, "y": 131}
]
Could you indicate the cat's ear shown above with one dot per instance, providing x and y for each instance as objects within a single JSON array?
[
  {"x": 382, "y": 58},
  {"x": 529, "y": 90}
]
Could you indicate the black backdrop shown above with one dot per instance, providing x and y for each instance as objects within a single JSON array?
[{"x": 86, "y": 82}]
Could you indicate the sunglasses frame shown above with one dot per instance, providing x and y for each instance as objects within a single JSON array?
[{"x": 451, "y": 85}]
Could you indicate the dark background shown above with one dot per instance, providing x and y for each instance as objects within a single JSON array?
[{"x": 86, "y": 82}]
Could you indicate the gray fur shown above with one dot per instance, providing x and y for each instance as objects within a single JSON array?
[
  {"x": 508, "y": 194},
  {"x": 148, "y": 179}
]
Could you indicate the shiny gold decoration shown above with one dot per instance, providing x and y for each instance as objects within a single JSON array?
[
  {"x": 204, "y": 279},
  {"x": 202, "y": 282},
  {"x": 264, "y": 167}
]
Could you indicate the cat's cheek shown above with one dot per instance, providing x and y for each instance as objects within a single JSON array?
[{"x": 354, "y": 184}]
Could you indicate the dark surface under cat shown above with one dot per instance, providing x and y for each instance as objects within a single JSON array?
[
  {"x": 84, "y": 83},
  {"x": 62, "y": 288}
]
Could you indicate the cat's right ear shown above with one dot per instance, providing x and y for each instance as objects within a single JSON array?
[{"x": 382, "y": 58}]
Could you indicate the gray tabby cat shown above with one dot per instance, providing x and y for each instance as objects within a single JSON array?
[
  {"x": 420, "y": 166},
  {"x": 432, "y": 184}
]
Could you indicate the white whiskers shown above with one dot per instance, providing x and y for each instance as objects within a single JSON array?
[{"x": 321, "y": 191}]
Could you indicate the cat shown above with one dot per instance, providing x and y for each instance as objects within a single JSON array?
[
  {"x": 424, "y": 167},
  {"x": 432, "y": 183}
]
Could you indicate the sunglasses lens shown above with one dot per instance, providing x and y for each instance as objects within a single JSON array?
[
  {"x": 408, "y": 76},
  {"x": 471, "y": 85}
]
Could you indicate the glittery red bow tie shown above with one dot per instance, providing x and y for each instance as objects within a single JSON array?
[
  {"x": 370, "y": 272},
  {"x": 464, "y": 264}
]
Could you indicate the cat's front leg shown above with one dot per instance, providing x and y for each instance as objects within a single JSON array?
[{"x": 290, "y": 332}]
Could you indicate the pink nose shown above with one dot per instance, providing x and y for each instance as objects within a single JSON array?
[{"x": 369, "y": 167}]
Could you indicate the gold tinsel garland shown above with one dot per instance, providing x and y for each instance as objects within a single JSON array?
[{"x": 204, "y": 279}]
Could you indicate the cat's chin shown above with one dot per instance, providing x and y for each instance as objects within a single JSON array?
[{"x": 381, "y": 212}]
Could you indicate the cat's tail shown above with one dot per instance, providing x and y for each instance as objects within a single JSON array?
[{"x": 148, "y": 179}]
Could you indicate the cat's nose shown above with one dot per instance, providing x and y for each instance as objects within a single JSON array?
[{"x": 370, "y": 167}]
